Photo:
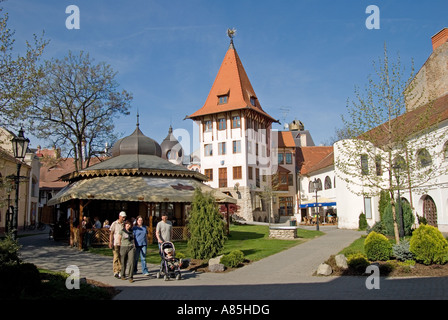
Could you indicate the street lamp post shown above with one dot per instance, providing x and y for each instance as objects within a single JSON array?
[
  {"x": 316, "y": 186},
  {"x": 19, "y": 147}
]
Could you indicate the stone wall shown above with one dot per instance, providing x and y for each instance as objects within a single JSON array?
[
  {"x": 431, "y": 81},
  {"x": 286, "y": 233}
]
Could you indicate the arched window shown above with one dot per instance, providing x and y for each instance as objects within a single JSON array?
[
  {"x": 445, "y": 151},
  {"x": 327, "y": 183},
  {"x": 424, "y": 158},
  {"x": 399, "y": 163},
  {"x": 311, "y": 186}
]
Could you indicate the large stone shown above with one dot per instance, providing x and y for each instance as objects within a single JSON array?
[
  {"x": 219, "y": 267},
  {"x": 216, "y": 260},
  {"x": 324, "y": 269},
  {"x": 341, "y": 261}
]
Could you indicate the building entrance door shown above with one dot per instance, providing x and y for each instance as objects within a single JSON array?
[
  {"x": 430, "y": 211},
  {"x": 223, "y": 177}
]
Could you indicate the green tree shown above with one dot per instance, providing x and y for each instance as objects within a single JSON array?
[
  {"x": 78, "y": 102},
  {"x": 207, "y": 227},
  {"x": 383, "y": 203},
  {"x": 19, "y": 74},
  {"x": 408, "y": 219}
]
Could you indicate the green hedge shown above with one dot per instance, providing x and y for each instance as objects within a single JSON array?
[
  {"x": 428, "y": 245},
  {"x": 233, "y": 259},
  {"x": 377, "y": 247}
]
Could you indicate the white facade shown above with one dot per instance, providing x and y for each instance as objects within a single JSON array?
[
  {"x": 236, "y": 157},
  {"x": 325, "y": 194},
  {"x": 424, "y": 195}
]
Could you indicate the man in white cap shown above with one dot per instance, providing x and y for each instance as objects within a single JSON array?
[{"x": 114, "y": 242}]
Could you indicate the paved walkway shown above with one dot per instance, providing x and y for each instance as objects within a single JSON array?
[{"x": 285, "y": 275}]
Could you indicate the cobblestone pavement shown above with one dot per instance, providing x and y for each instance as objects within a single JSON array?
[{"x": 285, "y": 275}]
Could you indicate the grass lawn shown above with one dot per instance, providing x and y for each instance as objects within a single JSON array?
[{"x": 252, "y": 240}]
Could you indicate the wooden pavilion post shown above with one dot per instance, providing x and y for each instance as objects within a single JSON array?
[
  {"x": 82, "y": 206},
  {"x": 80, "y": 217}
]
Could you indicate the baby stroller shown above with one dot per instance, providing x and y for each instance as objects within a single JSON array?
[{"x": 170, "y": 265}]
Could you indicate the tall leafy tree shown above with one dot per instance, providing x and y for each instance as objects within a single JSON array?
[
  {"x": 77, "y": 104},
  {"x": 391, "y": 148},
  {"x": 19, "y": 73},
  {"x": 207, "y": 227}
]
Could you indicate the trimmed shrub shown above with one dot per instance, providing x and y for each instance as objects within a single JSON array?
[
  {"x": 362, "y": 222},
  {"x": 377, "y": 247},
  {"x": 233, "y": 259},
  {"x": 9, "y": 251},
  {"x": 402, "y": 251},
  {"x": 428, "y": 245},
  {"x": 17, "y": 280},
  {"x": 358, "y": 262}
]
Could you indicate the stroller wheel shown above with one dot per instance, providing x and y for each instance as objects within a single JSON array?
[
  {"x": 178, "y": 276},
  {"x": 165, "y": 278},
  {"x": 158, "y": 275}
]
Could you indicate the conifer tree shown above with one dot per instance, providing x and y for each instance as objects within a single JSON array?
[{"x": 206, "y": 226}]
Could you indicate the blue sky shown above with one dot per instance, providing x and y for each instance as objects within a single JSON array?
[{"x": 303, "y": 58}]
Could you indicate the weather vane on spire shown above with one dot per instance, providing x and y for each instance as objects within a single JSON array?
[{"x": 231, "y": 33}]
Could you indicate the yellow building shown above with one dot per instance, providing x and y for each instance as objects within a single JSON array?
[{"x": 28, "y": 188}]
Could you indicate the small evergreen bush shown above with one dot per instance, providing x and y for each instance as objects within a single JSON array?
[
  {"x": 9, "y": 251},
  {"x": 17, "y": 280},
  {"x": 233, "y": 259},
  {"x": 362, "y": 222},
  {"x": 207, "y": 227},
  {"x": 408, "y": 219},
  {"x": 378, "y": 227},
  {"x": 383, "y": 202},
  {"x": 358, "y": 262},
  {"x": 428, "y": 245},
  {"x": 377, "y": 247},
  {"x": 402, "y": 251}
]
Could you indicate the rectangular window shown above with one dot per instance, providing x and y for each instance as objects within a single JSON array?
[
  {"x": 257, "y": 177},
  {"x": 288, "y": 158},
  {"x": 222, "y": 177},
  {"x": 209, "y": 174},
  {"x": 223, "y": 99},
  {"x": 286, "y": 205},
  {"x": 222, "y": 124},
  {"x": 256, "y": 149},
  {"x": 237, "y": 146},
  {"x": 364, "y": 165},
  {"x": 208, "y": 126},
  {"x": 280, "y": 158},
  {"x": 250, "y": 173},
  {"x": 379, "y": 170},
  {"x": 237, "y": 173},
  {"x": 208, "y": 150},
  {"x": 252, "y": 101},
  {"x": 221, "y": 148},
  {"x": 368, "y": 207},
  {"x": 281, "y": 182},
  {"x": 236, "y": 122}
]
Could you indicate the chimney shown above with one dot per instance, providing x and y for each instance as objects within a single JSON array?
[{"x": 439, "y": 38}]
